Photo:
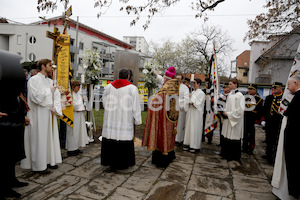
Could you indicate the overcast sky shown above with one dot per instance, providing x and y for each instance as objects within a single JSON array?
[{"x": 174, "y": 23}]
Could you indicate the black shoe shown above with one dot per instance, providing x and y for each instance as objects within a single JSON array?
[
  {"x": 178, "y": 143},
  {"x": 42, "y": 172},
  {"x": 209, "y": 142},
  {"x": 72, "y": 153},
  {"x": 19, "y": 184},
  {"x": 12, "y": 194},
  {"x": 79, "y": 151},
  {"x": 52, "y": 167}
]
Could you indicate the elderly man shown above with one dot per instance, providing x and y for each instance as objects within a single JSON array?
[{"x": 286, "y": 174}]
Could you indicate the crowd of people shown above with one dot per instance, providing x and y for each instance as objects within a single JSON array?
[{"x": 176, "y": 116}]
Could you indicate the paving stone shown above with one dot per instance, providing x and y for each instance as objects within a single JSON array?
[
  {"x": 251, "y": 184},
  {"x": 185, "y": 157},
  {"x": 63, "y": 186},
  {"x": 143, "y": 179},
  {"x": 32, "y": 186},
  {"x": 93, "y": 151},
  {"x": 177, "y": 172},
  {"x": 88, "y": 170},
  {"x": 76, "y": 160},
  {"x": 247, "y": 167},
  {"x": 166, "y": 191},
  {"x": 65, "y": 167},
  {"x": 217, "y": 171},
  {"x": 103, "y": 185},
  {"x": 146, "y": 172},
  {"x": 21, "y": 172},
  {"x": 45, "y": 178},
  {"x": 242, "y": 195},
  {"x": 142, "y": 151},
  {"x": 139, "y": 160},
  {"x": 194, "y": 195},
  {"x": 126, "y": 194},
  {"x": 78, "y": 197},
  {"x": 211, "y": 159},
  {"x": 210, "y": 185}
]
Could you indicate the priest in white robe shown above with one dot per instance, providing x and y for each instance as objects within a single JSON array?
[
  {"x": 41, "y": 139},
  {"x": 194, "y": 122},
  {"x": 122, "y": 111},
  {"x": 183, "y": 102},
  {"x": 77, "y": 136},
  {"x": 286, "y": 175},
  {"x": 233, "y": 124}
]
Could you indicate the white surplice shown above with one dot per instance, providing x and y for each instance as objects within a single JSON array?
[
  {"x": 41, "y": 138},
  {"x": 121, "y": 111},
  {"x": 194, "y": 120},
  {"x": 183, "y": 102},
  {"x": 233, "y": 126},
  {"x": 77, "y": 136}
]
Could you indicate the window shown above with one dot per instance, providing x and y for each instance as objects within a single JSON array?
[
  {"x": 245, "y": 73},
  {"x": 32, "y": 40},
  {"x": 72, "y": 42},
  {"x": 95, "y": 48},
  {"x": 31, "y": 57},
  {"x": 79, "y": 61},
  {"x": 81, "y": 45},
  {"x": 19, "y": 39},
  {"x": 72, "y": 56}
]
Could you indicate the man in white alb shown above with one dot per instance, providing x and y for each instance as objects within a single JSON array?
[
  {"x": 41, "y": 138},
  {"x": 194, "y": 122},
  {"x": 77, "y": 136},
  {"x": 184, "y": 106},
  {"x": 122, "y": 111}
]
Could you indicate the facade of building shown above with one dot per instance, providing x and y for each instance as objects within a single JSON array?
[
  {"x": 30, "y": 41},
  {"x": 272, "y": 60},
  {"x": 138, "y": 42},
  {"x": 242, "y": 66}
]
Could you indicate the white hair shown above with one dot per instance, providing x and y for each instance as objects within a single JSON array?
[{"x": 295, "y": 78}]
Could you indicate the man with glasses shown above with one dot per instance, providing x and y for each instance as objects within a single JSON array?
[{"x": 273, "y": 121}]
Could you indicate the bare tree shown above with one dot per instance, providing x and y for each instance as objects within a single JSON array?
[
  {"x": 281, "y": 16},
  {"x": 205, "y": 40},
  {"x": 192, "y": 54}
]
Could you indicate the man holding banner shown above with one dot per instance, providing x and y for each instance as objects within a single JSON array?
[
  {"x": 42, "y": 146},
  {"x": 212, "y": 93}
]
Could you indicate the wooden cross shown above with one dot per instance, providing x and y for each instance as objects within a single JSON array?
[{"x": 54, "y": 36}]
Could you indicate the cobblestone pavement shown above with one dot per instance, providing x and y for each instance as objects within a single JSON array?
[{"x": 201, "y": 175}]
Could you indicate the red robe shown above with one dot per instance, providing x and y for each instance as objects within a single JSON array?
[{"x": 160, "y": 128}]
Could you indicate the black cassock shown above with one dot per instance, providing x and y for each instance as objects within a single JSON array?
[{"x": 291, "y": 145}]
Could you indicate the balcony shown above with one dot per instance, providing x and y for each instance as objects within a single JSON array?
[{"x": 73, "y": 49}]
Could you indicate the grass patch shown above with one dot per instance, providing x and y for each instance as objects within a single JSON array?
[{"x": 99, "y": 119}]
